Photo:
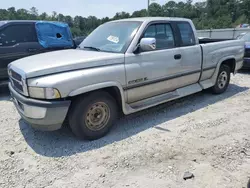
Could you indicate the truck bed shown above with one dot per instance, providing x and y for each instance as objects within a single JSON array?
[
  {"x": 216, "y": 51},
  {"x": 208, "y": 40}
]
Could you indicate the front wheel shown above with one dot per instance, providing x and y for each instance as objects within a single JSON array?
[
  {"x": 222, "y": 81},
  {"x": 92, "y": 116}
]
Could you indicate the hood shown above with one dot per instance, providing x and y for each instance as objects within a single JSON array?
[{"x": 64, "y": 60}]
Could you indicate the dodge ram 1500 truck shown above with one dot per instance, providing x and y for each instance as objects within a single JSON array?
[{"x": 122, "y": 66}]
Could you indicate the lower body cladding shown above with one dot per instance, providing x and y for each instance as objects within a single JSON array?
[
  {"x": 41, "y": 115},
  {"x": 246, "y": 64}
]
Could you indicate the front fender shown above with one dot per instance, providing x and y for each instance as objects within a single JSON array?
[
  {"x": 94, "y": 87},
  {"x": 99, "y": 86}
]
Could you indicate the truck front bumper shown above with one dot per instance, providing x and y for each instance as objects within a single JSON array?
[{"x": 41, "y": 115}]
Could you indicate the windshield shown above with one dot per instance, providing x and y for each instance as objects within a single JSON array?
[
  {"x": 111, "y": 37},
  {"x": 245, "y": 37}
]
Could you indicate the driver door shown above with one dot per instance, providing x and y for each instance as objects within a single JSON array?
[{"x": 155, "y": 72}]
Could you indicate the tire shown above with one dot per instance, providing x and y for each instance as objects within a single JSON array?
[
  {"x": 222, "y": 81},
  {"x": 92, "y": 116}
]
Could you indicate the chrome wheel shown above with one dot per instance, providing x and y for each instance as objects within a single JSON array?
[
  {"x": 222, "y": 79},
  {"x": 97, "y": 116}
]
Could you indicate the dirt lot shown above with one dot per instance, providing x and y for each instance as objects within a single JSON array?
[{"x": 204, "y": 134}]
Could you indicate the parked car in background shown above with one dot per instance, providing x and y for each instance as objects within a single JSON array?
[
  {"x": 246, "y": 38},
  {"x": 19, "y": 39},
  {"x": 122, "y": 66},
  {"x": 78, "y": 40}
]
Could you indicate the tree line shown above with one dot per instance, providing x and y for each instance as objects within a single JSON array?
[{"x": 205, "y": 14}]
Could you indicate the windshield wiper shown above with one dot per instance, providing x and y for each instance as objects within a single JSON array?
[{"x": 92, "y": 48}]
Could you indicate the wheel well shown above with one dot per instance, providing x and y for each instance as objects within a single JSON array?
[
  {"x": 113, "y": 91},
  {"x": 231, "y": 63}
]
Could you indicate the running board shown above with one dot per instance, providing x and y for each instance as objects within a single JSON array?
[{"x": 154, "y": 101}]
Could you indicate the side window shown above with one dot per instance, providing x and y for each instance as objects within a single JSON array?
[
  {"x": 150, "y": 32},
  {"x": 15, "y": 34},
  {"x": 187, "y": 34},
  {"x": 160, "y": 29},
  {"x": 163, "y": 34}
]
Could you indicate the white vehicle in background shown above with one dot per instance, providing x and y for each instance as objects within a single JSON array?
[{"x": 230, "y": 33}]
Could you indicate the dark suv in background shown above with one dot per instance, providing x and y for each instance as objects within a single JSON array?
[{"x": 20, "y": 39}]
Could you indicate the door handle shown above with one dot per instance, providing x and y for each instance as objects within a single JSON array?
[
  {"x": 177, "y": 56},
  {"x": 32, "y": 50}
]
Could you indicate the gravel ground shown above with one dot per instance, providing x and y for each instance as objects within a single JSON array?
[{"x": 204, "y": 134}]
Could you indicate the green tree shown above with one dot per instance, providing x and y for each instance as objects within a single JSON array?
[
  {"x": 155, "y": 10},
  {"x": 34, "y": 11},
  {"x": 22, "y": 14},
  {"x": 43, "y": 16},
  {"x": 54, "y": 16},
  {"x": 69, "y": 21},
  {"x": 140, "y": 13},
  {"x": 205, "y": 14},
  {"x": 61, "y": 18},
  {"x": 121, "y": 15},
  {"x": 170, "y": 8},
  {"x": 246, "y": 9},
  {"x": 12, "y": 13}
]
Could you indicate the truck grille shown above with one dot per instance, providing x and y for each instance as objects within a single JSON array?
[
  {"x": 17, "y": 85},
  {"x": 17, "y": 82},
  {"x": 247, "y": 52},
  {"x": 16, "y": 75}
]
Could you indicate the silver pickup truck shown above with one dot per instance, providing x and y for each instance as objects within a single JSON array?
[{"x": 122, "y": 66}]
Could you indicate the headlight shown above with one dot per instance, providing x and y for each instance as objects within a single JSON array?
[{"x": 44, "y": 93}]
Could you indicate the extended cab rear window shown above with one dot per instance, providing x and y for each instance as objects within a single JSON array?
[{"x": 187, "y": 34}]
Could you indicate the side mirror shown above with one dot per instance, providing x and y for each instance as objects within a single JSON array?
[{"x": 147, "y": 44}]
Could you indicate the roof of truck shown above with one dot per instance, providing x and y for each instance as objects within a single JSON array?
[
  {"x": 23, "y": 21},
  {"x": 20, "y": 21},
  {"x": 149, "y": 19},
  {"x": 3, "y": 22}
]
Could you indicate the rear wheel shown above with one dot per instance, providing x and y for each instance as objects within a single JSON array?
[
  {"x": 222, "y": 81},
  {"x": 92, "y": 116}
]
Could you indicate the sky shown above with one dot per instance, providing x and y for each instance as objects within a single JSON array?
[{"x": 98, "y": 8}]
